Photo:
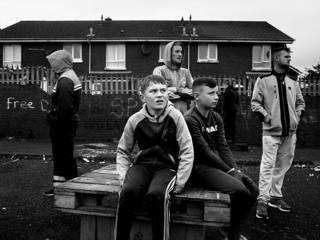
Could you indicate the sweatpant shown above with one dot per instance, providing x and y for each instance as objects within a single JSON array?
[
  {"x": 277, "y": 157},
  {"x": 154, "y": 183},
  {"x": 242, "y": 200},
  {"x": 64, "y": 164}
]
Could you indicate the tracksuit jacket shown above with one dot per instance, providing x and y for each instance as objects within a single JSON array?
[
  {"x": 165, "y": 139},
  {"x": 278, "y": 101},
  {"x": 66, "y": 92}
]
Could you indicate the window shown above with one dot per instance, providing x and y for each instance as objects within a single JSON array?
[
  {"x": 116, "y": 57},
  {"x": 207, "y": 53},
  {"x": 75, "y": 49},
  {"x": 261, "y": 57},
  {"x": 161, "y": 51},
  {"x": 12, "y": 55}
]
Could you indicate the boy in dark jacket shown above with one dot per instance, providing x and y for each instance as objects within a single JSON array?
[
  {"x": 63, "y": 118},
  {"x": 214, "y": 165},
  {"x": 163, "y": 163}
]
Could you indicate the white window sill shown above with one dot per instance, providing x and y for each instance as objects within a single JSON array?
[
  {"x": 77, "y": 61},
  {"x": 261, "y": 69},
  {"x": 115, "y": 69},
  {"x": 208, "y": 61}
]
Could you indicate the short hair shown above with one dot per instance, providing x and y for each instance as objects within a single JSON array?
[
  {"x": 204, "y": 81},
  {"x": 279, "y": 49},
  {"x": 145, "y": 82}
]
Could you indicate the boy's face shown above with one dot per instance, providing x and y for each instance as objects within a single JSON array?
[
  {"x": 207, "y": 97},
  {"x": 156, "y": 96},
  {"x": 177, "y": 54}
]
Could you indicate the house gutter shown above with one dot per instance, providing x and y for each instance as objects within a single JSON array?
[
  {"x": 150, "y": 40},
  {"x": 189, "y": 43}
]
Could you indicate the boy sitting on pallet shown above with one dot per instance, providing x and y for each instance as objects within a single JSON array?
[
  {"x": 163, "y": 163},
  {"x": 214, "y": 166}
]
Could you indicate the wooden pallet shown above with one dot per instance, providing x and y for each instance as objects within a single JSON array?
[{"x": 94, "y": 196}]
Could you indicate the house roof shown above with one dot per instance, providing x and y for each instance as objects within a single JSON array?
[{"x": 241, "y": 31}]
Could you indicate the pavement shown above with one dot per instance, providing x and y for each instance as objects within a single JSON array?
[
  {"x": 96, "y": 151},
  {"x": 41, "y": 149}
]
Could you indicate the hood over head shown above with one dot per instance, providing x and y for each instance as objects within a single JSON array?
[
  {"x": 168, "y": 57},
  {"x": 60, "y": 61}
]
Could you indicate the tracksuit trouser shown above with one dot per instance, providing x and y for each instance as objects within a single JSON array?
[
  {"x": 64, "y": 164},
  {"x": 277, "y": 157},
  {"x": 153, "y": 182},
  {"x": 242, "y": 200}
]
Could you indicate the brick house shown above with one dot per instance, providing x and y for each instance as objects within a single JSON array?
[{"x": 108, "y": 46}]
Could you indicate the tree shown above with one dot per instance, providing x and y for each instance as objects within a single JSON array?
[{"x": 314, "y": 72}]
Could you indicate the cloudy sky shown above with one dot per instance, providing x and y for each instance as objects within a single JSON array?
[{"x": 298, "y": 19}]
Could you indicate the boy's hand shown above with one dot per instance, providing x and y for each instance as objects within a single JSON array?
[
  {"x": 121, "y": 180},
  {"x": 246, "y": 180},
  {"x": 177, "y": 189}
]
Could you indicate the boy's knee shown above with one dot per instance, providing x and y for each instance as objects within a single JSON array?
[
  {"x": 129, "y": 191},
  {"x": 155, "y": 195}
]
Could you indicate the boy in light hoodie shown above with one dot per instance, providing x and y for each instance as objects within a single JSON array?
[{"x": 178, "y": 79}]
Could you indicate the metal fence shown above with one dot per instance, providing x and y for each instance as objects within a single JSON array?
[{"x": 98, "y": 84}]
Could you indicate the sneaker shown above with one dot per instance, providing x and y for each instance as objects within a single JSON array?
[
  {"x": 223, "y": 233},
  {"x": 280, "y": 204},
  {"x": 262, "y": 210},
  {"x": 242, "y": 237},
  {"x": 49, "y": 193}
]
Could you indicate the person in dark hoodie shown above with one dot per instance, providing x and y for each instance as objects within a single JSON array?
[
  {"x": 63, "y": 118},
  {"x": 214, "y": 165},
  {"x": 179, "y": 79},
  {"x": 162, "y": 165},
  {"x": 230, "y": 107}
]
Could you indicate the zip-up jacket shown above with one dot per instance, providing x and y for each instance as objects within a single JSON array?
[
  {"x": 210, "y": 146},
  {"x": 278, "y": 101},
  {"x": 165, "y": 140}
]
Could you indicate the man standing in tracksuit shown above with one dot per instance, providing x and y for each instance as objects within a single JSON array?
[
  {"x": 278, "y": 102},
  {"x": 63, "y": 118},
  {"x": 162, "y": 165}
]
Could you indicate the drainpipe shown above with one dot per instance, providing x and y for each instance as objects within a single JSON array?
[
  {"x": 189, "y": 53},
  {"x": 89, "y": 62}
]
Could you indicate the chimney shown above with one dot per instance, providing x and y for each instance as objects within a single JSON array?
[
  {"x": 194, "y": 33},
  {"x": 91, "y": 34}
]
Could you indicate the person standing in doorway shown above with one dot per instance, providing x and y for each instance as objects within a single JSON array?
[
  {"x": 279, "y": 104},
  {"x": 230, "y": 107},
  {"x": 178, "y": 79},
  {"x": 63, "y": 119}
]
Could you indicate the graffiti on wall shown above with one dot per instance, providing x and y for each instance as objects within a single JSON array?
[{"x": 13, "y": 103}]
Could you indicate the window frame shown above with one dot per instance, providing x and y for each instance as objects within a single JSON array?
[
  {"x": 262, "y": 56},
  {"x": 116, "y": 61},
  {"x": 75, "y": 60},
  {"x": 16, "y": 64},
  {"x": 208, "y": 59}
]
